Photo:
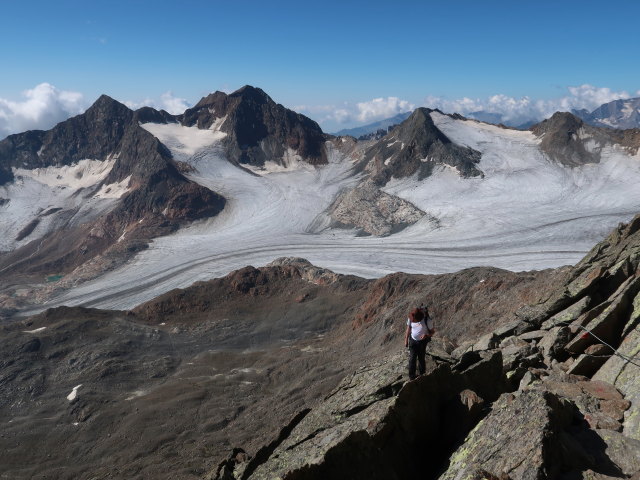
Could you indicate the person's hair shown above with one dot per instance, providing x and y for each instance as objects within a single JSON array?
[{"x": 416, "y": 315}]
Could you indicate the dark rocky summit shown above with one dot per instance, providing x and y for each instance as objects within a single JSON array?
[
  {"x": 571, "y": 142},
  {"x": 257, "y": 128},
  {"x": 417, "y": 146}
]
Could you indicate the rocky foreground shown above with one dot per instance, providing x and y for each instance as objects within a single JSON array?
[
  {"x": 542, "y": 397},
  {"x": 292, "y": 371}
]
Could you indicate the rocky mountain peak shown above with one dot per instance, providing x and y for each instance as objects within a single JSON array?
[
  {"x": 417, "y": 145},
  {"x": 249, "y": 92},
  {"x": 568, "y": 140},
  {"x": 420, "y": 130},
  {"x": 107, "y": 106},
  {"x": 258, "y": 129},
  {"x": 559, "y": 121}
]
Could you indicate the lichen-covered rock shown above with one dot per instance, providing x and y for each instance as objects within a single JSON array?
[
  {"x": 626, "y": 377},
  {"x": 518, "y": 438},
  {"x": 376, "y": 425}
]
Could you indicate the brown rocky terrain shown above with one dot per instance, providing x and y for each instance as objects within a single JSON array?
[
  {"x": 168, "y": 389},
  {"x": 552, "y": 394}
]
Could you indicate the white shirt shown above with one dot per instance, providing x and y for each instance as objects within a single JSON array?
[{"x": 420, "y": 329}]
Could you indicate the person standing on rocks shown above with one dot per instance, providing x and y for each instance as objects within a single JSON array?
[{"x": 418, "y": 334}]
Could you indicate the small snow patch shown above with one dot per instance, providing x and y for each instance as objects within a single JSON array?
[
  {"x": 74, "y": 393},
  {"x": 114, "y": 190},
  {"x": 34, "y": 331},
  {"x": 136, "y": 394}
]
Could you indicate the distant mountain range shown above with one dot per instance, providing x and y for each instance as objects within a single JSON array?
[
  {"x": 370, "y": 128},
  {"x": 620, "y": 114}
]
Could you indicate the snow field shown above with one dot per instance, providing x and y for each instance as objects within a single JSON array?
[{"x": 56, "y": 196}]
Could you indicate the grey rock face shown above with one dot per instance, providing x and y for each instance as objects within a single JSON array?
[{"x": 529, "y": 424}]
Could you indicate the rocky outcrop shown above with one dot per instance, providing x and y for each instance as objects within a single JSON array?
[
  {"x": 373, "y": 211},
  {"x": 376, "y": 425},
  {"x": 416, "y": 146},
  {"x": 257, "y": 128}
]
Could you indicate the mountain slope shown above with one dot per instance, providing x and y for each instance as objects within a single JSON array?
[{"x": 460, "y": 193}]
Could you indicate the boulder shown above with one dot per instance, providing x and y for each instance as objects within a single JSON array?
[
  {"x": 507, "y": 330},
  {"x": 625, "y": 376},
  {"x": 487, "y": 342},
  {"x": 552, "y": 344},
  {"x": 615, "y": 453},
  {"x": 608, "y": 326},
  {"x": 568, "y": 315},
  {"x": 586, "y": 365},
  {"x": 533, "y": 335},
  {"x": 518, "y": 438}
]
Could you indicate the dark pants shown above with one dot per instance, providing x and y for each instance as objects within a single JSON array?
[{"x": 417, "y": 350}]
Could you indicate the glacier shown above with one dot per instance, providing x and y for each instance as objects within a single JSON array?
[{"x": 528, "y": 212}]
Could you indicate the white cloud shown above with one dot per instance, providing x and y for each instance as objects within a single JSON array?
[
  {"x": 173, "y": 105},
  {"x": 519, "y": 110},
  {"x": 43, "y": 106},
  {"x": 369, "y": 111},
  {"x": 380, "y": 108},
  {"x": 168, "y": 102}
]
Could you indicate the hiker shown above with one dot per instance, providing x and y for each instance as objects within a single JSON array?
[{"x": 418, "y": 334}]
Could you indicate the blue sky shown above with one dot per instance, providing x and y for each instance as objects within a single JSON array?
[{"x": 323, "y": 58}]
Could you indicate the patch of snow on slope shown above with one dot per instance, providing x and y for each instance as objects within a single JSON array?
[
  {"x": 82, "y": 174},
  {"x": 183, "y": 141},
  {"x": 35, "y": 330},
  {"x": 290, "y": 161},
  {"x": 527, "y": 213},
  {"x": 54, "y": 197},
  {"x": 114, "y": 190}
]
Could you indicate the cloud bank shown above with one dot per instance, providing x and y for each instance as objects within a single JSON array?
[
  {"x": 496, "y": 108},
  {"x": 42, "y": 107},
  {"x": 172, "y": 104},
  {"x": 515, "y": 111},
  {"x": 363, "y": 112}
]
